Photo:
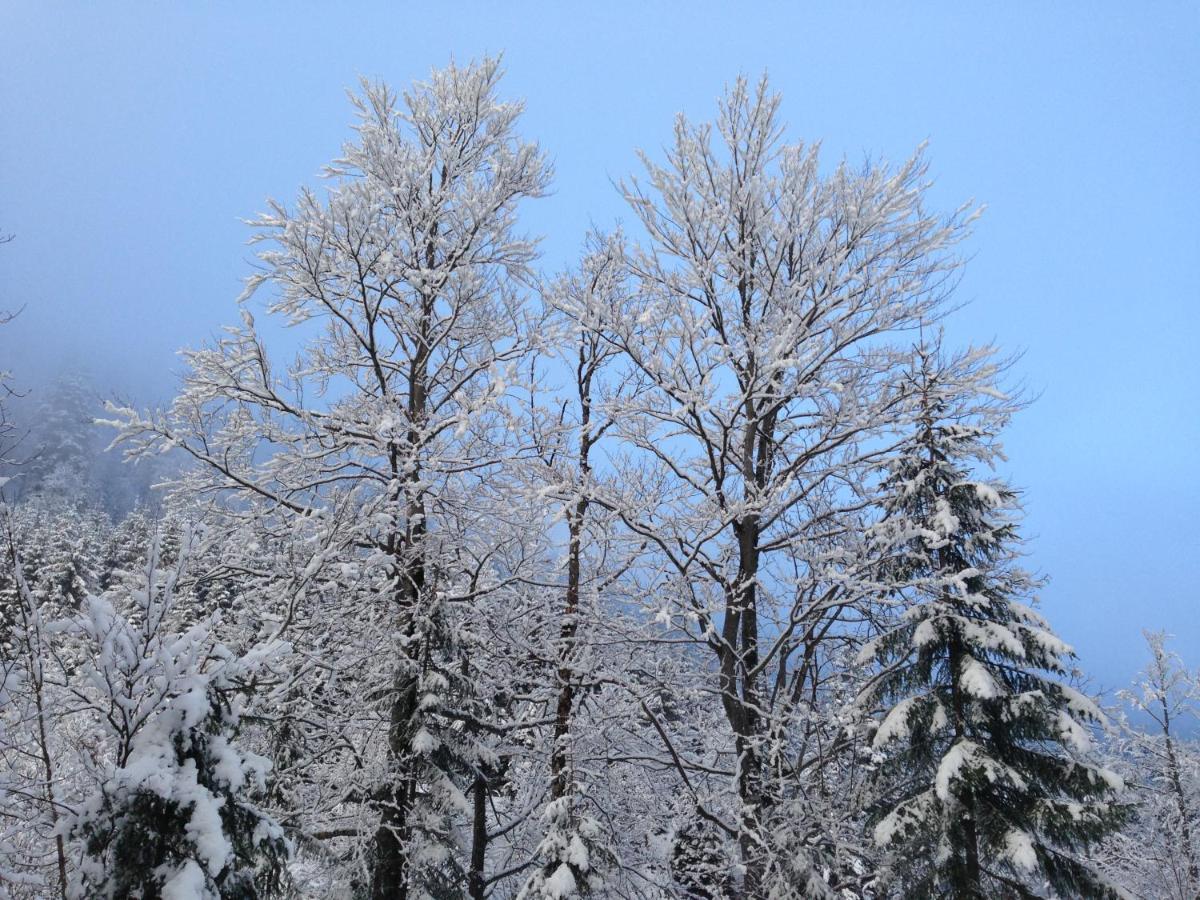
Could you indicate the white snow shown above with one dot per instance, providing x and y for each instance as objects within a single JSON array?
[
  {"x": 424, "y": 743},
  {"x": 895, "y": 724},
  {"x": 944, "y": 520},
  {"x": 577, "y": 853},
  {"x": 561, "y": 883},
  {"x": 977, "y": 681},
  {"x": 992, "y": 636},
  {"x": 987, "y": 494},
  {"x": 950, "y": 767},
  {"x": 1018, "y": 847},
  {"x": 966, "y": 753},
  {"x": 915, "y": 811},
  {"x": 1072, "y": 734},
  {"x": 925, "y": 633},
  {"x": 187, "y": 884},
  {"x": 204, "y": 827}
]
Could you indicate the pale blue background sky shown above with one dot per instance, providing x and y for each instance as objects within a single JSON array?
[{"x": 134, "y": 136}]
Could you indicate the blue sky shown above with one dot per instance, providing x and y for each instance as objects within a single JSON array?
[{"x": 135, "y": 136}]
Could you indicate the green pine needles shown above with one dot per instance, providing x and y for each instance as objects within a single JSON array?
[
  {"x": 984, "y": 785},
  {"x": 176, "y": 821}
]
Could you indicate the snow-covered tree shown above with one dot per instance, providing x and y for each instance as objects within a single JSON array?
[
  {"x": 385, "y": 441},
  {"x": 699, "y": 859},
  {"x": 7, "y": 427},
  {"x": 573, "y": 852},
  {"x": 985, "y": 783},
  {"x": 755, "y": 320},
  {"x": 55, "y": 451},
  {"x": 10, "y": 680},
  {"x": 173, "y": 814},
  {"x": 576, "y": 591},
  {"x": 62, "y": 446},
  {"x": 566, "y": 859},
  {"x": 125, "y": 550},
  {"x": 32, "y": 754},
  {"x": 1158, "y": 855}
]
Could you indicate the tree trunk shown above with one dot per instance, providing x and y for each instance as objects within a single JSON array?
[
  {"x": 389, "y": 877},
  {"x": 33, "y": 630},
  {"x": 479, "y": 838},
  {"x": 390, "y": 874},
  {"x": 740, "y": 699},
  {"x": 560, "y": 768},
  {"x": 1185, "y": 824},
  {"x": 560, "y": 763}
]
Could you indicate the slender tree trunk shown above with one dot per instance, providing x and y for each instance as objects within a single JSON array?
[
  {"x": 51, "y": 800},
  {"x": 560, "y": 765},
  {"x": 1185, "y": 824},
  {"x": 390, "y": 875},
  {"x": 741, "y": 702},
  {"x": 479, "y": 839},
  {"x": 37, "y": 680}
]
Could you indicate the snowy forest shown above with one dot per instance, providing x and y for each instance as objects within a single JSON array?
[{"x": 693, "y": 571}]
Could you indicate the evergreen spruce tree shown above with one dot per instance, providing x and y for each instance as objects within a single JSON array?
[
  {"x": 573, "y": 856},
  {"x": 176, "y": 820},
  {"x": 125, "y": 550},
  {"x": 64, "y": 443},
  {"x": 71, "y": 567},
  {"x": 447, "y": 753},
  {"x": 985, "y": 786},
  {"x": 173, "y": 813},
  {"x": 700, "y": 860}
]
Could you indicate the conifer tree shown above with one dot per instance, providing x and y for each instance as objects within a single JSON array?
[
  {"x": 176, "y": 820},
  {"x": 174, "y": 814},
  {"x": 985, "y": 789},
  {"x": 124, "y": 550},
  {"x": 64, "y": 445},
  {"x": 700, "y": 859},
  {"x": 571, "y": 857}
]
